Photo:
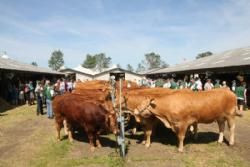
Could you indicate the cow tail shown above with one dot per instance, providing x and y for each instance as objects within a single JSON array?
[{"x": 237, "y": 111}]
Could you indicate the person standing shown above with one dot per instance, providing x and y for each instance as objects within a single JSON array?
[
  {"x": 197, "y": 85},
  {"x": 49, "y": 93},
  {"x": 70, "y": 85},
  {"x": 167, "y": 84},
  {"x": 224, "y": 84},
  {"x": 240, "y": 92},
  {"x": 31, "y": 93},
  {"x": 173, "y": 84},
  {"x": 208, "y": 85},
  {"x": 39, "y": 96},
  {"x": 217, "y": 84},
  {"x": 62, "y": 87}
]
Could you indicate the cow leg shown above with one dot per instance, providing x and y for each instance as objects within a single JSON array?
[
  {"x": 221, "y": 124},
  {"x": 147, "y": 134},
  {"x": 231, "y": 125},
  {"x": 91, "y": 141},
  {"x": 181, "y": 132},
  {"x": 58, "y": 129},
  {"x": 70, "y": 135},
  {"x": 65, "y": 127},
  {"x": 98, "y": 143},
  {"x": 195, "y": 126}
]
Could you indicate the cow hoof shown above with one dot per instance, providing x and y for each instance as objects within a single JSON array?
[
  {"x": 92, "y": 149},
  {"x": 143, "y": 142},
  {"x": 180, "y": 150},
  {"x": 133, "y": 131},
  {"x": 231, "y": 143},
  {"x": 71, "y": 141},
  {"x": 147, "y": 145},
  {"x": 220, "y": 142},
  {"x": 99, "y": 146},
  {"x": 58, "y": 140}
]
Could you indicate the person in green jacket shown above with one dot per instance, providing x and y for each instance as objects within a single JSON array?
[
  {"x": 240, "y": 92},
  {"x": 49, "y": 93},
  {"x": 173, "y": 84}
]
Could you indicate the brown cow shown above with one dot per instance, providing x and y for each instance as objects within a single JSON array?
[
  {"x": 93, "y": 118},
  {"x": 180, "y": 110}
]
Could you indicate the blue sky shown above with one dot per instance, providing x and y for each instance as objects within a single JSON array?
[{"x": 124, "y": 30}]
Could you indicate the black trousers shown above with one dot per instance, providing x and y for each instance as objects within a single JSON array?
[{"x": 39, "y": 109}]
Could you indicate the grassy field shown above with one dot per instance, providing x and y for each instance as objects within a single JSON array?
[{"x": 29, "y": 140}]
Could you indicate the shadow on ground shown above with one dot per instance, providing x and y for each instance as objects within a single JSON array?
[
  {"x": 82, "y": 137},
  {"x": 168, "y": 137}
]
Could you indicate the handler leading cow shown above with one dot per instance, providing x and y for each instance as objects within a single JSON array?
[{"x": 181, "y": 109}]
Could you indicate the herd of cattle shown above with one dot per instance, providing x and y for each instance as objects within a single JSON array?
[{"x": 89, "y": 107}]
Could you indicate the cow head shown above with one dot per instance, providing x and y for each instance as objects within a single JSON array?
[
  {"x": 112, "y": 123},
  {"x": 144, "y": 109}
]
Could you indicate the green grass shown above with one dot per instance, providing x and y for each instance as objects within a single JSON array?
[{"x": 54, "y": 153}]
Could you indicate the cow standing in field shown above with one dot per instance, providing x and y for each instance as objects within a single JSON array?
[
  {"x": 141, "y": 97},
  {"x": 90, "y": 116},
  {"x": 181, "y": 109}
]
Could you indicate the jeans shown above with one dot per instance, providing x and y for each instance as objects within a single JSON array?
[{"x": 49, "y": 108}]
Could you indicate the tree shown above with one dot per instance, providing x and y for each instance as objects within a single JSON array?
[
  {"x": 34, "y": 63},
  {"x": 118, "y": 66},
  {"x": 204, "y": 54},
  {"x": 89, "y": 62},
  {"x": 56, "y": 60},
  {"x": 97, "y": 61},
  {"x": 102, "y": 61},
  {"x": 151, "y": 61},
  {"x": 140, "y": 68},
  {"x": 164, "y": 64},
  {"x": 130, "y": 68}
]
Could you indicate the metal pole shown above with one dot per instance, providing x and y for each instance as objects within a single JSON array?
[{"x": 121, "y": 137}]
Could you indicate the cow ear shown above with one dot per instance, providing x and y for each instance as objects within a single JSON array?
[{"x": 152, "y": 103}]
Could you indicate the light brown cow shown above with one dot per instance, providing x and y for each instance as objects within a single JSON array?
[
  {"x": 136, "y": 97},
  {"x": 180, "y": 110}
]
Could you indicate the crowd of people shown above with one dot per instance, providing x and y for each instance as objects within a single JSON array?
[
  {"x": 42, "y": 91},
  {"x": 195, "y": 84}
]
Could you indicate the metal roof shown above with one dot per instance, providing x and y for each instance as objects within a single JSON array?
[
  {"x": 10, "y": 64},
  {"x": 112, "y": 69},
  {"x": 149, "y": 71},
  {"x": 230, "y": 58}
]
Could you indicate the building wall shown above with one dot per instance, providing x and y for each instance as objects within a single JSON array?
[
  {"x": 128, "y": 76},
  {"x": 132, "y": 77},
  {"x": 103, "y": 77},
  {"x": 83, "y": 77}
]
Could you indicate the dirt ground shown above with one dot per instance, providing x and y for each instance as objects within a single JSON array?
[{"x": 29, "y": 140}]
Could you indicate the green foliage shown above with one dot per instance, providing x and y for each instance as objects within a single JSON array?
[
  {"x": 56, "y": 60},
  {"x": 140, "y": 68},
  {"x": 34, "y": 63},
  {"x": 164, "y": 64},
  {"x": 130, "y": 68},
  {"x": 102, "y": 61},
  {"x": 152, "y": 60},
  {"x": 98, "y": 61},
  {"x": 204, "y": 54},
  {"x": 89, "y": 62}
]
